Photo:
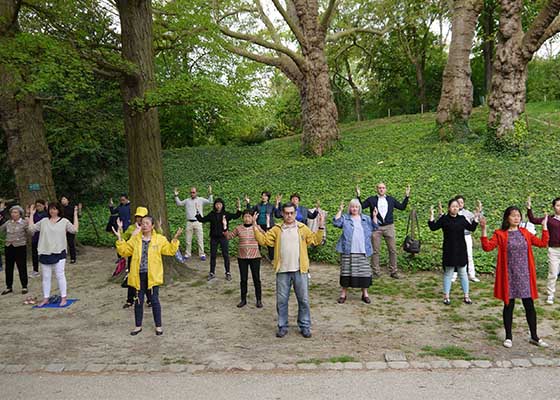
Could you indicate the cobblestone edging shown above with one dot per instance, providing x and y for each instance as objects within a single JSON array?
[{"x": 94, "y": 368}]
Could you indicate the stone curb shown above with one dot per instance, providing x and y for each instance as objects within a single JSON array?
[{"x": 243, "y": 367}]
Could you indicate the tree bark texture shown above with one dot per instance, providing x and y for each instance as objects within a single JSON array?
[
  {"x": 21, "y": 119},
  {"x": 308, "y": 70},
  {"x": 487, "y": 22},
  {"x": 456, "y": 101},
  {"x": 145, "y": 164},
  {"x": 514, "y": 50}
]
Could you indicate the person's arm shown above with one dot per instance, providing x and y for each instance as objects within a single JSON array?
[
  {"x": 170, "y": 248},
  {"x": 470, "y": 225},
  {"x": 32, "y": 227},
  {"x": 315, "y": 238},
  {"x": 178, "y": 201},
  {"x": 200, "y": 218},
  {"x": 400, "y": 206},
  {"x": 232, "y": 234},
  {"x": 374, "y": 221},
  {"x": 337, "y": 219},
  {"x": 487, "y": 244},
  {"x": 543, "y": 241},
  {"x": 434, "y": 225}
]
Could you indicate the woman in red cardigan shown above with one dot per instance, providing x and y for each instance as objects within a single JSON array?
[{"x": 516, "y": 276}]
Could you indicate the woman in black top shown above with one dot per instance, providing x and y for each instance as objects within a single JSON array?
[
  {"x": 219, "y": 219},
  {"x": 454, "y": 257}
]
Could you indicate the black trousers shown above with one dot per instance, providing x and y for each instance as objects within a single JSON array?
[
  {"x": 16, "y": 256},
  {"x": 255, "y": 265},
  {"x": 530, "y": 314},
  {"x": 71, "y": 239},
  {"x": 139, "y": 304},
  {"x": 224, "y": 244},
  {"x": 270, "y": 249},
  {"x": 35, "y": 256}
]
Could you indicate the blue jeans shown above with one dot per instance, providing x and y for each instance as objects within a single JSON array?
[
  {"x": 284, "y": 282},
  {"x": 448, "y": 275}
]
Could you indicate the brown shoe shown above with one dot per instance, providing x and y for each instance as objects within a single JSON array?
[{"x": 366, "y": 299}]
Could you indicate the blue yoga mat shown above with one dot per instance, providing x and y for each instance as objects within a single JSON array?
[{"x": 69, "y": 302}]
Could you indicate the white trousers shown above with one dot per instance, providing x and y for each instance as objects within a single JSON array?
[
  {"x": 470, "y": 263},
  {"x": 196, "y": 228},
  {"x": 47, "y": 270},
  {"x": 553, "y": 269}
]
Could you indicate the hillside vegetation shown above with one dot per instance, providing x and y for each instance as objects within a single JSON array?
[{"x": 398, "y": 151}]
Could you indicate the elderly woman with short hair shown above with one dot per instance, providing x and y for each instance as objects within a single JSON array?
[
  {"x": 15, "y": 249},
  {"x": 354, "y": 246}
]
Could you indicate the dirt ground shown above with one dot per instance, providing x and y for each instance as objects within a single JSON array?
[{"x": 203, "y": 325}]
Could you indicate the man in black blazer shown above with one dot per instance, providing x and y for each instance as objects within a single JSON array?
[{"x": 385, "y": 205}]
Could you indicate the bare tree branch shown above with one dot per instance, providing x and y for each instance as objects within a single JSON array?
[
  {"x": 299, "y": 60},
  {"x": 291, "y": 23},
  {"x": 327, "y": 16},
  {"x": 533, "y": 38},
  {"x": 268, "y": 23},
  {"x": 552, "y": 30},
  {"x": 352, "y": 31}
]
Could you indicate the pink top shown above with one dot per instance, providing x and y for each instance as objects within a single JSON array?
[{"x": 248, "y": 245}]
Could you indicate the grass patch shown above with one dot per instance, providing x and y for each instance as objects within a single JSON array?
[
  {"x": 198, "y": 283},
  {"x": 335, "y": 359},
  {"x": 447, "y": 352}
]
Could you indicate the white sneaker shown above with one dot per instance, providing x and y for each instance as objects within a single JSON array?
[
  {"x": 474, "y": 279},
  {"x": 550, "y": 300},
  {"x": 508, "y": 343},
  {"x": 539, "y": 343},
  {"x": 454, "y": 278},
  {"x": 35, "y": 274}
]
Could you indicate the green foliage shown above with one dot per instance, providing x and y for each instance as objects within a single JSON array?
[
  {"x": 543, "y": 79},
  {"x": 397, "y": 151},
  {"x": 513, "y": 142},
  {"x": 447, "y": 352}
]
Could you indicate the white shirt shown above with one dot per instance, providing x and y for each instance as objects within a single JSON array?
[
  {"x": 358, "y": 240},
  {"x": 52, "y": 239},
  {"x": 289, "y": 249},
  {"x": 382, "y": 206},
  {"x": 192, "y": 205}
]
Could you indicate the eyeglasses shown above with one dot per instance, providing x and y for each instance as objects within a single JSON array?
[{"x": 289, "y": 212}]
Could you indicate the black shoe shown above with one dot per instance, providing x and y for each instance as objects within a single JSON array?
[
  {"x": 24, "y": 291},
  {"x": 242, "y": 303},
  {"x": 72, "y": 261},
  {"x": 281, "y": 332},
  {"x": 134, "y": 333},
  {"x": 6, "y": 291},
  {"x": 159, "y": 333},
  {"x": 259, "y": 304},
  {"x": 306, "y": 333},
  {"x": 366, "y": 299},
  {"x": 127, "y": 305}
]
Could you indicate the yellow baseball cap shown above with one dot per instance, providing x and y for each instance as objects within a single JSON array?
[{"x": 141, "y": 212}]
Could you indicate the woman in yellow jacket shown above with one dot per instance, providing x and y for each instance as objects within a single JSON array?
[{"x": 146, "y": 267}]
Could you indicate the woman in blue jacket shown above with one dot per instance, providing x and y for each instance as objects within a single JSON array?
[{"x": 354, "y": 246}]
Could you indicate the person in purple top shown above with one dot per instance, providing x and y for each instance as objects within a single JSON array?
[
  {"x": 553, "y": 245},
  {"x": 40, "y": 213}
]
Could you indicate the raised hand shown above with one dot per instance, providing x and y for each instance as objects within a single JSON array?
[
  {"x": 318, "y": 205},
  {"x": 117, "y": 232},
  {"x": 2, "y": 205},
  {"x": 479, "y": 206},
  {"x": 224, "y": 222},
  {"x": 278, "y": 198},
  {"x": 31, "y": 209},
  {"x": 432, "y": 213},
  {"x": 440, "y": 208},
  {"x": 119, "y": 224},
  {"x": 321, "y": 220},
  {"x": 407, "y": 191},
  {"x": 209, "y": 189},
  {"x": 375, "y": 212},
  {"x": 247, "y": 199},
  {"x": 341, "y": 207},
  {"x": 238, "y": 204},
  {"x": 529, "y": 204},
  {"x": 255, "y": 219},
  {"x": 176, "y": 192},
  {"x": 545, "y": 222},
  {"x": 483, "y": 223},
  {"x": 358, "y": 191},
  {"x": 178, "y": 233},
  {"x": 111, "y": 204},
  {"x": 77, "y": 208}
]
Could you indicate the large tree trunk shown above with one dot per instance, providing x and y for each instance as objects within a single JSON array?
[
  {"x": 319, "y": 113},
  {"x": 141, "y": 124},
  {"x": 21, "y": 119},
  {"x": 514, "y": 50},
  {"x": 421, "y": 84},
  {"x": 487, "y": 22},
  {"x": 455, "y": 104},
  {"x": 145, "y": 165}
]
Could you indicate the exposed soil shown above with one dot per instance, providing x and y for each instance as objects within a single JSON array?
[{"x": 203, "y": 325}]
